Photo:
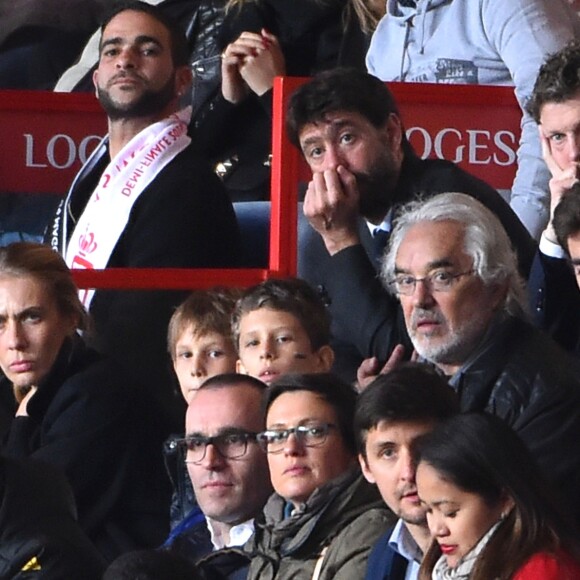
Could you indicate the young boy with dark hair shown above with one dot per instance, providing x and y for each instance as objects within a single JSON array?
[{"x": 281, "y": 327}]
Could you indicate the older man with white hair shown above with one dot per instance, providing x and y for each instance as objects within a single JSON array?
[{"x": 453, "y": 269}]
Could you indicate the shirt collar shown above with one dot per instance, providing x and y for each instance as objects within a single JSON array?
[
  {"x": 386, "y": 225},
  {"x": 239, "y": 534},
  {"x": 403, "y": 543}
]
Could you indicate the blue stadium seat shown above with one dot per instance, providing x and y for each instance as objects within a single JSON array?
[{"x": 254, "y": 221}]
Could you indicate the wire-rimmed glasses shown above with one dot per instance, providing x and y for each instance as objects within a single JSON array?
[{"x": 439, "y": 281}]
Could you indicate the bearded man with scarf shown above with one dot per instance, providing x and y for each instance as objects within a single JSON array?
[{"x": 144, "y": 198}]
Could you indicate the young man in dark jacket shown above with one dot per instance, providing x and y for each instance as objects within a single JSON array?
[
  {"x": 391, "y": 414},
  {"x": 145, "y": 198}
]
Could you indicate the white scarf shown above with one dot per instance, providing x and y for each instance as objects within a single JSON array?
[
  {"x": 463, "y": 570},
  {"x": 124, "y": 179}
]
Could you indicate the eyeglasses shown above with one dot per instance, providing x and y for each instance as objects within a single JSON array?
[
  {"x": 274, "y": 440},
  {"x": 439, "y": 281},
  {"x": 232, "y": 445}
]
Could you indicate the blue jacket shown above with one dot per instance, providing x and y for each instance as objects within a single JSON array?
[
  {"x": 384, "y": 563},
  {"x": 190, "y": 538}
]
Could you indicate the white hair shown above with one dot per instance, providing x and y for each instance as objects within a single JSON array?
[{"x": 485, "y": 241}]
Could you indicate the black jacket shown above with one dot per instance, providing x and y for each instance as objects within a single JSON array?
[
  {"x": 367, "y": 320},
  {"x": 38, "y": 526},
  {"x": 88, "y": 419},
  {"x": 555, "y": 300},
  {"x": 519, "y": 374},
  {"x": 311, "y": 36},
  {"x": 183, "y": 219}
]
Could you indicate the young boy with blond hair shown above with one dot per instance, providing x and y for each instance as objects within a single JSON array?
[{"x": 199, "y": 338}]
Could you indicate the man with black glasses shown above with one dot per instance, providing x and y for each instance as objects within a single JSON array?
[{"x": 228, "y": 470}]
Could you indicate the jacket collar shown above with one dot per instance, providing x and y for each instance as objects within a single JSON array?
[
  {"x": 70, "y": 359},
  {"x": 287, "y": 535},
  {"x": 475, "y": 380}
]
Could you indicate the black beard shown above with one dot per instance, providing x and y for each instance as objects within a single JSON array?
[
  {"x": 149, "y": 104},
  {"x": 375, "y": 188}
]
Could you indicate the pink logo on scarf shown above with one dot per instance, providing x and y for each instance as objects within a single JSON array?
[{"x": 87, "y": 243}]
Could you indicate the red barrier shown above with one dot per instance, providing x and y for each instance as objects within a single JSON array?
[
  {"x": 47, "y": 136},
  {"x": 175, "y": 278},
  {"x": 476, "y": 126}
]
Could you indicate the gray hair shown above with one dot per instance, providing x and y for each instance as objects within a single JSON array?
[{"x": 485, "y": 241}]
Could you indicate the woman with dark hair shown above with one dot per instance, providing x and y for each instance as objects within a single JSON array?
[
  {"x": 324, "y": 517},
  {"x": 489, "y": 509},
  {"x": 76, "y": 410}
]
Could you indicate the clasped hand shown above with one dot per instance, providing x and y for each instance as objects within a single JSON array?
[{"x": 250, "y": 63}]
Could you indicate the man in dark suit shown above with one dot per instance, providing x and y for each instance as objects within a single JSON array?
[
  {"x": 348, "y": 127},
  {"x": 391, "y": 414}
]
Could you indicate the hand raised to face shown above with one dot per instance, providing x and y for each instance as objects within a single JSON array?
[
  {"x": 250, "y": 63},
  {"x": 564, "y": 176},
  {"x": 331, "y": 205}
]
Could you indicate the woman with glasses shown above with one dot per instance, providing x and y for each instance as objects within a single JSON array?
[{"x": 324, "y": 517}]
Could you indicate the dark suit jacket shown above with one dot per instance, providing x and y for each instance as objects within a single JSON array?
[
  {"x": 385, "y": 563},
  {"x": 555, "y": 300},
  {"x": 367, "y": 320}
]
